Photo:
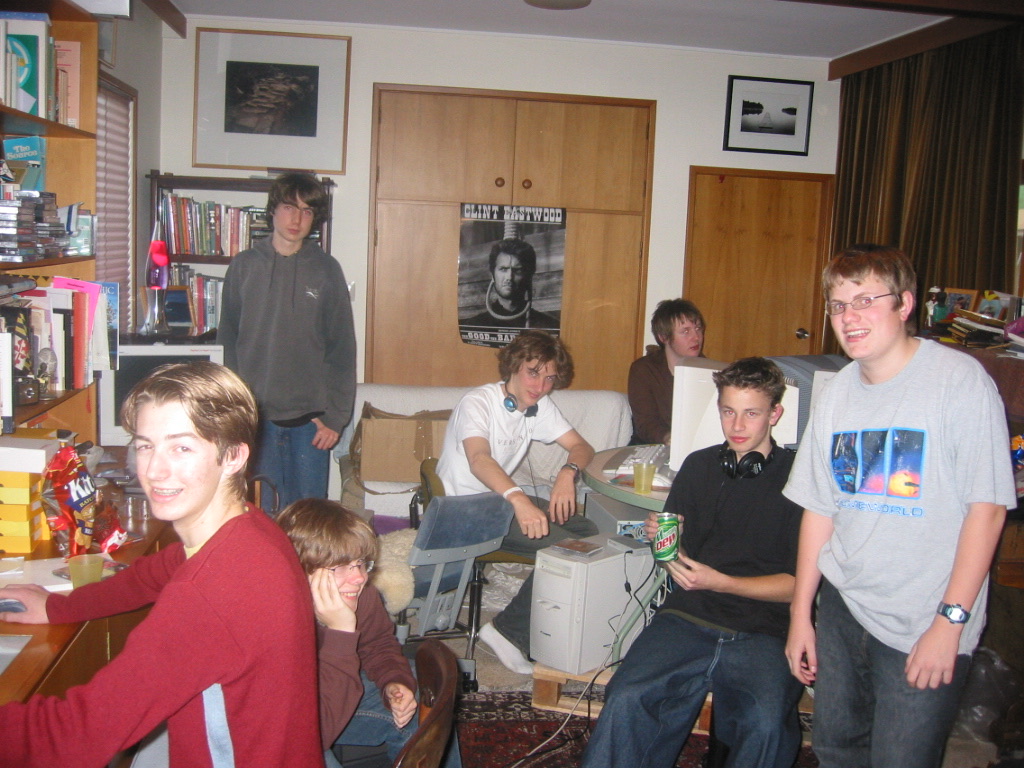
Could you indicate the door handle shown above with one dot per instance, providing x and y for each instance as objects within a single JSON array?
[{"x": 801, "y": 333}]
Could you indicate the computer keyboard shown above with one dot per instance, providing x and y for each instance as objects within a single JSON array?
[{"x": 622, "y": 463}]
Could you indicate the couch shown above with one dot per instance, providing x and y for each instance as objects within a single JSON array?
[{"x": 602, "y": 417}]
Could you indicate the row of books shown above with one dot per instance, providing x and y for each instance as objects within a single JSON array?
[
  {"x": 39, "y": 75},
  {"x": 195, "y": 228},
  {"x": 204, "y": 298},
  {"x": 61, "y": 331}
]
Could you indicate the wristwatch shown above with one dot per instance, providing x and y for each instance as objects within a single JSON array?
[
  {"x": 954, "y": 613},
  {"x": 574, "y": 467}
]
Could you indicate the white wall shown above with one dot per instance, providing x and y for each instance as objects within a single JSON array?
[{"x": 689, "y": 87}]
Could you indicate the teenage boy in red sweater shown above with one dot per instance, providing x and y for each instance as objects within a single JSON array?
[{"x": 227, "y": 655}]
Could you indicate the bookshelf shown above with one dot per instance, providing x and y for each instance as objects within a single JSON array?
[
  {"x": 71, "y": 173},
  {"x": 170, "y": 182}
]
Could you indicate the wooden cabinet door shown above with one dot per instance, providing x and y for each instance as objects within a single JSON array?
[
  {"x": 444, "y": 147},
  {"x": 604, "y": 286},
  {"x": 589, "y": 156},
  {"x": 756, "y": 245}
]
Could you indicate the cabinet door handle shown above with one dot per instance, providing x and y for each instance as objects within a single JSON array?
[
  {"x": 801, "y": 333},
  {"x": 527, "y": 183},
  {"x": 499, "y": 182}
]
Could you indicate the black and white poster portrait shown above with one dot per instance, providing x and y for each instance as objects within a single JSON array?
[{"x": 511, "y": 267}]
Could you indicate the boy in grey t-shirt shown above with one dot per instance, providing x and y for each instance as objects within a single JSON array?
[{"x": 904, "y": 477}]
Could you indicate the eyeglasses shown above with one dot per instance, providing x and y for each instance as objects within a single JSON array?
[
  {"x": 861, "y": 302},
  {"x": 359, "y": 565}
]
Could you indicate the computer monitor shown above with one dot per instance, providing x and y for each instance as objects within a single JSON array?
[
  {"x": 695, "y": 421},
  {"x": 134, "y": 363}
]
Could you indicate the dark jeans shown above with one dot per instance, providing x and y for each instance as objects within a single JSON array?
[
  {"x": 294, "y": 466},
  {"x": 656, "y": 694},
  {"x": 866, "y": 714},
  {"x": 373, "y": 724},
  {"x": 514, "y": 622}
]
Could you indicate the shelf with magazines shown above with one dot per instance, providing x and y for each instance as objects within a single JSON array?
[
  {"x": 70, "y": 174},
  {"x": 200, "y": 231}
]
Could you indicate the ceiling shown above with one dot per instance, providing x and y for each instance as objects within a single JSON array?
[{"x": 754, "y": 26}]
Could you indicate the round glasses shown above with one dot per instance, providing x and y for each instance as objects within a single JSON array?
[
  {"x": 366, "y": 566},
  {"x": 861, "y": 302}
]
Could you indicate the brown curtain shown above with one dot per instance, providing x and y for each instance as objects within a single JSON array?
[{"x": 930, "y": 159}]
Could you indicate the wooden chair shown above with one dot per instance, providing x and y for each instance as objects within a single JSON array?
[{"x": 437, "y": 676}]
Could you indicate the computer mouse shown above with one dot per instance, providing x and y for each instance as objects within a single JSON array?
[{"x": 10, "y": 605}]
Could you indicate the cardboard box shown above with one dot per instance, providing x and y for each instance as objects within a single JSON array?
[
  {"x": 33, "y": 532},
  {"x": 21, "y": 480},
  {"x": 391, "y": 446},
  {"x": 18, "y": 495}
]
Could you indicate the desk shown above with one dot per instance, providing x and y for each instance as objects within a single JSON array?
[
  {"x": 596, "y": 479},
  {"x": 59, "y": 656}
]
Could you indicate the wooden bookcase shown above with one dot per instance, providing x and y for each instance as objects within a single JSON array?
[
  {"x": 170, "y": 182},
  {"x": 71, "y": 173}
]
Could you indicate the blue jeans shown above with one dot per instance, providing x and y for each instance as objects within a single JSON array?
[
  {"x": 656, "y": 694},
  {"x": 514, "y": 620},
  {"x": 287, "y": 457},
  {"x": 372, "y": 724},
  {"x": 866, "y": 714}
]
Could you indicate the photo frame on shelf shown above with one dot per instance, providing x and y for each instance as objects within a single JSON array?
[
  {"x": 107, "y": 41},
  {"x": 960, "y": 298},
  {"x": 270, "y": 100},
  {"x": 767, "y": 115}
]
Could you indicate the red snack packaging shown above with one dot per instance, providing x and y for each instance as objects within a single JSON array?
[{"x": 71, "y": 497}]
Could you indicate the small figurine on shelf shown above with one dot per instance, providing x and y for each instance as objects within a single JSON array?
[
  {"x": 935, "y": 307},
  {"x": 157, "y": 271}
]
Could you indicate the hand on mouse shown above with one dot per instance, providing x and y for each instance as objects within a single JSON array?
[
  {"x": 402, "y": 703},
  {"x": 33, "y": 597},
  {"x": 328, "y": 606}
]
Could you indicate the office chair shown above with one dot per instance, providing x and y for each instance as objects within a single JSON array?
[
  {"x": 437, "y": 675},
  {"x": 454, "y": 532}
]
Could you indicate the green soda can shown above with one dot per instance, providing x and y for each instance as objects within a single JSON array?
[{"x": 666, "y": 540}]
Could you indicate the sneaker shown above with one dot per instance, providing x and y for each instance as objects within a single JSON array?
[{"x": 507, "y": 653}]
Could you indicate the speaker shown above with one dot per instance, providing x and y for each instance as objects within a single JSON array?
[{"x": 750, "y": 466}]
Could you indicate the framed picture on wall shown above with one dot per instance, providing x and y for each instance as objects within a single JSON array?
[
  {"x": 766, "y": 115},
  {"x": 268, "y": 100}
]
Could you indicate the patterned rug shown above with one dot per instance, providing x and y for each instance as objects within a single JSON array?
[{"x": 498, "y": 729}]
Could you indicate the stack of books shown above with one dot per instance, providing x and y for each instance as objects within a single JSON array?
[{"x": 974, "y": 330}]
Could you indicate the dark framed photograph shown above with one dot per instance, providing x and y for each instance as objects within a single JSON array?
[
  {"x": 268, "y": 100},
  {"x": 766, "y": 115}
]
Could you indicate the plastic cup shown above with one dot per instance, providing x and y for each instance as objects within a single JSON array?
[
  {"x": 643, "y": 477},
  {"x": 85, "y": 569}
]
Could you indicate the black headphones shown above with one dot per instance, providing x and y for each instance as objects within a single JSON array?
[
  {"x": 511, "y": 404},
  {"x": 750, "y": 466}
]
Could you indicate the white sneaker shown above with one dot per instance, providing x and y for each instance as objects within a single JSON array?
[{"x": 507, "y": 653}]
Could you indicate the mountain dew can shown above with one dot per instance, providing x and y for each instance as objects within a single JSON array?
[{"x": 666, "y": 540}]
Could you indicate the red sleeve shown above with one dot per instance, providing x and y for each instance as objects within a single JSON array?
[
  {"x": 340, "y": 686},
  {"x": 128, "y": 590},
  {"x": 379, "y": 651}
]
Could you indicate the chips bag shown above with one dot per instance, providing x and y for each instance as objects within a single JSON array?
[{"x": 70, "y": 497}]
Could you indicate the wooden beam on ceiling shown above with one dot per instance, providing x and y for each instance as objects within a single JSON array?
[
  {"x": 911, "y": 44},
  {"x": 1007, "y": 10},
  {"x": 169, "y": 14}
]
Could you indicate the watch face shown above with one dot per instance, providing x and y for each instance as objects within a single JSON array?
[{"x": 954, "y": 613}]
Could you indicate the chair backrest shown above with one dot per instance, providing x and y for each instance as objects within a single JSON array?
[
  {"x": 437, "y": 675},
  {"x": 470, "y": 526},
  {"x": 431, "y": 481}
]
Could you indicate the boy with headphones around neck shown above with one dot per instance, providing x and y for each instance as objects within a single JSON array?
[
  {"x": 489, "y": 434},
  {"x": 723, "y": 627}
]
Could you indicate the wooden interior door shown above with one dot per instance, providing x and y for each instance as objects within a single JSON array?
[{"x": 755, "y": 247}]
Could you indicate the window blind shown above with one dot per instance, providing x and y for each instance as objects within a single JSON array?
[{"x": 115, "y": 194}]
